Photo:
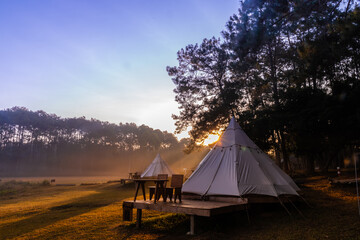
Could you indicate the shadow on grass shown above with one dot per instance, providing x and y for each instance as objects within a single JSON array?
[
  {"x": 176, "y": 224},
  {"x": 45, "y": 217}
]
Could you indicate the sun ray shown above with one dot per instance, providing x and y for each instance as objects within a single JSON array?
[{"x": 211, "y": 139}]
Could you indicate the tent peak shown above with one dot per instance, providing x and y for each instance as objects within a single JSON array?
[
  {"x": 235, "y": 135},
  {"x": 233, "y": 124},
  {"x": 157, "y": 166}
]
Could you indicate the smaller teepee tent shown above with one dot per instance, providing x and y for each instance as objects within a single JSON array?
[{"x": 158, "y": 166}]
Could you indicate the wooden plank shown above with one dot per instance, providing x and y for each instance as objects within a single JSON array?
[
  {"x": 216, "y": 198},
  {"x": 166, "y": 207},
  {"x": 343, "y": 181},
  {"x": 191, "y": 207},
  {"x": 228, "y": 199}
]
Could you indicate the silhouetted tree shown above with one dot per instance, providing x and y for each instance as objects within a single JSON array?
[{"x": 281, "y": 66}]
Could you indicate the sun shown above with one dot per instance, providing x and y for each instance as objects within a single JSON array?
[{"x": 211, "y": 139}]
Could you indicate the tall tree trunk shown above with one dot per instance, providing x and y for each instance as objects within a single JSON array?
[
  {"x": 284, "y": 151},
  {"x": 277, "y": 150},
  {"x": 310, "y": 164}
]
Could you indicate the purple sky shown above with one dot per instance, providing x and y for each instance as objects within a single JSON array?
[{"x": 101, "y": 59}]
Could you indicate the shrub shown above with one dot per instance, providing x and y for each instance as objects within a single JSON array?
[{"x": 45, "y": 183}]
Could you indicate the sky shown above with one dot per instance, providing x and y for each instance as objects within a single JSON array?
[{"x": 103, "y": 59}]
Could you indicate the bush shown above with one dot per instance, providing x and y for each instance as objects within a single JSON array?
[{"x": 45, "y": 183}]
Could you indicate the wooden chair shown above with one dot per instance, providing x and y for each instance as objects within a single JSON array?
[
  {"x": 135, "y": 175},
  {"x": 160, "y": 191},
  {"x": 176, "y": 185}
]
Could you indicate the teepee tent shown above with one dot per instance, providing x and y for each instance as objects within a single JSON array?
[
  {"x": 235, "y": 166},
  {"x": 158, "y": 166}
]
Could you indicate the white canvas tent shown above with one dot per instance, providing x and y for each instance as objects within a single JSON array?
[
  {"x": 158, "y": 166},
  {"x": 236, "y": 167}
]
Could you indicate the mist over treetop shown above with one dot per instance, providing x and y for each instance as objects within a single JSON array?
[
  {"x": 39, "y": 125},
  {"x": 35, "y": 142}
]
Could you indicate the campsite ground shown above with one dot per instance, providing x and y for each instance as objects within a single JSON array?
[{"x": 40, "y": 211}]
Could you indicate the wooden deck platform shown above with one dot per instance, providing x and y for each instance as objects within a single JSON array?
[
  {"x": 343, "y": 181},
  {"x": 190, "y": 207}
]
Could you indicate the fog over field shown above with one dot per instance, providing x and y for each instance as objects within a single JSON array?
[{"x": 42, "y": 144}]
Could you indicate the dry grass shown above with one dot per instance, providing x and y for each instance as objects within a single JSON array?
[
  {"x": 36, "y": 211},
  {"x": 52, "y": 212}
]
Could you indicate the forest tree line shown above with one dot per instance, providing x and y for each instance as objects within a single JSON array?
[
  {"x": 288, "y": 70},
  {"x": 37, "y": 143}
]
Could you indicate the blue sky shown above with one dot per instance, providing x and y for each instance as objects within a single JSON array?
[{"x": 101, "y": 59}]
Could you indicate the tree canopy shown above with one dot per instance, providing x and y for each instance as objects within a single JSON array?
[{"x": 287, "y": 70}]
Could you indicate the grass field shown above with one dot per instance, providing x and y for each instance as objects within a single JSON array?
[
  {"x": 63, "y": 180},
  {"x": 40, "y": 211}
]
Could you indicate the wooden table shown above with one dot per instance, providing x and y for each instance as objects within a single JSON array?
[{"x": 159, "y": 184}]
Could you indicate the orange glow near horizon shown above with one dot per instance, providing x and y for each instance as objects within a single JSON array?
[{"x": 211, "y": 139}]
